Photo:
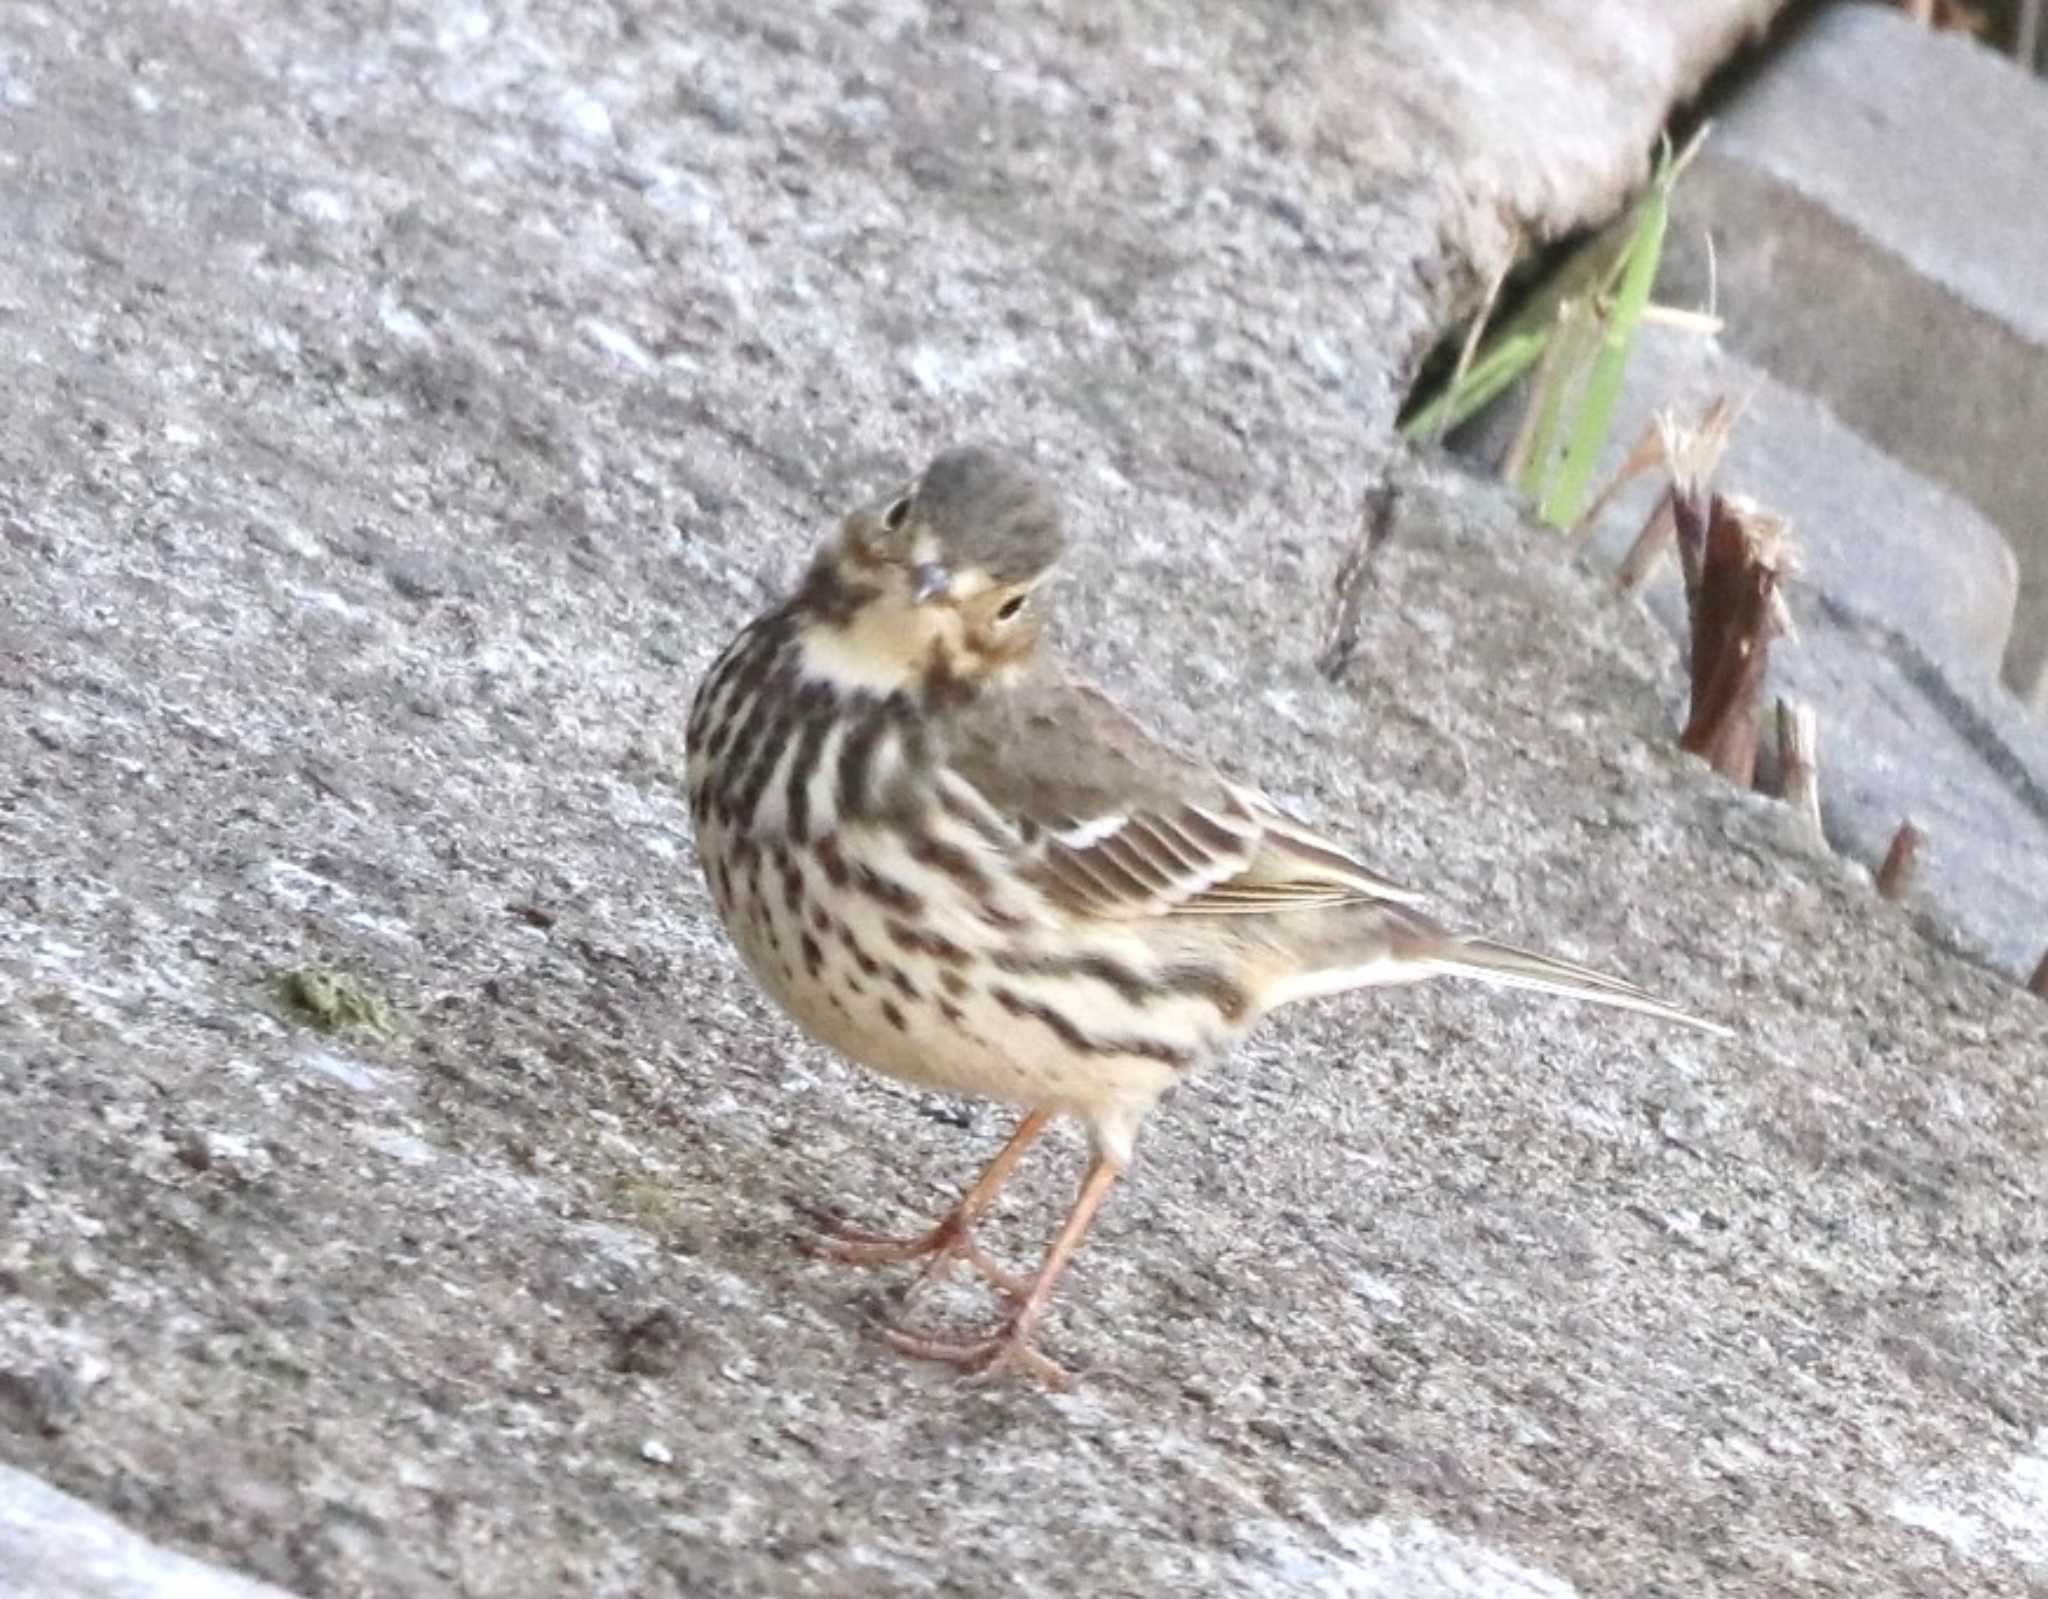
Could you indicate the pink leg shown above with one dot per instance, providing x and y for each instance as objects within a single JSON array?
[
  {"x": 1010, "y": 1348},
  {"x": 953, "y": 1238}
]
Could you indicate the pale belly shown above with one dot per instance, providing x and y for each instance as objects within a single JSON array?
[{"x": 919, "y": 984}]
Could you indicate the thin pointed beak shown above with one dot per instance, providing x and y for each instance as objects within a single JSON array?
[{"x": 929, "y": 581}]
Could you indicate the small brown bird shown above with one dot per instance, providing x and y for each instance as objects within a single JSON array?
[{"x": 955, "y": 864}]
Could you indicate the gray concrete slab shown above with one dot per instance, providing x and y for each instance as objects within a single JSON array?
[
  {"x": 1876, "y": 201},
  {"x": 1902, "y": 597},
  {"x": 51, "y": 1543}
]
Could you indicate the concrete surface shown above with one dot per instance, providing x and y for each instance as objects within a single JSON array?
[
  {"x": 51, "y": 1543},
  {"x": 1876, "y": 200},
  {"x": 403, "y": 404},
  {"x": 1903, "y": 600}
]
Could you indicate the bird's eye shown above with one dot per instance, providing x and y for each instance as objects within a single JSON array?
[
  {"x": 1011, "y": 607},
  {"x": 892, "y": 519}
]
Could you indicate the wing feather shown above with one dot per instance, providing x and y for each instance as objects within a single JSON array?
[{"x": 1123, "y": 826}]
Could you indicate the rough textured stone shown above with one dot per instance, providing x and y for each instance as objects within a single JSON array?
[
  {"x": 405, "y": 402},
  {"x": 1875, "y": 199}
]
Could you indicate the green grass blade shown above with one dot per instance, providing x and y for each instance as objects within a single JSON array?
[
  {"x": 1577, "y": 326},
  {"x": 1565, "y": 494},
  {"x": 1504, "y": 359}
]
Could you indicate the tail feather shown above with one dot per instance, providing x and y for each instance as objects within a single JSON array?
[{"x": 1505, "y": 966}]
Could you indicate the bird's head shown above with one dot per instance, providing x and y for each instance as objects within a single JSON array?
[{"x": 938, "y": 583}]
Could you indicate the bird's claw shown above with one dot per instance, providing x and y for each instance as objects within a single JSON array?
[
  {"x": 1003, "y": 1353},
  {"x": 951, "y": 1240}
]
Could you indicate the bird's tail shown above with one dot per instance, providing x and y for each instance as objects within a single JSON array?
[
  {"x": 1508, "y": 967},
  {"x": 1334, "y": 949}
]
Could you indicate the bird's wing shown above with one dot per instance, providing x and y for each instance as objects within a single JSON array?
[{"x": 1116, "y": 824}]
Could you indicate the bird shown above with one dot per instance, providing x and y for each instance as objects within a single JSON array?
[{"x": 952, "y": 859}]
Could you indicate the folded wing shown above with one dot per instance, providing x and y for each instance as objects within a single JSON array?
[{"x": 1118, "y": 825}]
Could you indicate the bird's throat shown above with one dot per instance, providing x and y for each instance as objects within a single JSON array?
[
  {"x": 881, "y": 648},
  {"x": 887, "y": 649}
]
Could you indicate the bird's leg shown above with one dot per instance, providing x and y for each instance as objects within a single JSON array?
[
  {"x": 1010, "y": 1347},
  {"x": 953, "y": 1238}
]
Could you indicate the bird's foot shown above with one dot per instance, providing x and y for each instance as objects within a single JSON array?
[
  {"x": 951, "y": 1240},
  {"x": 1005, "y": 1352}
]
